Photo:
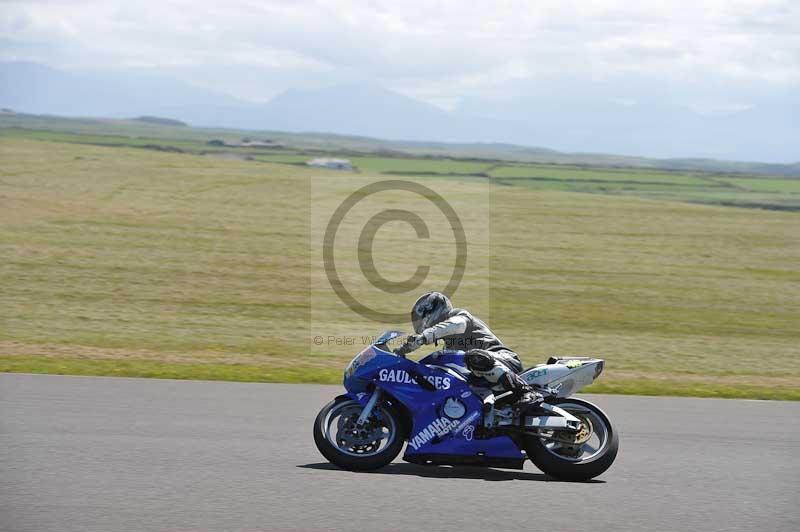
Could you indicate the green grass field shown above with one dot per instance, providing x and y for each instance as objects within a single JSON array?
[
  {"x": 575, "y": 173},
  {"x": 754, "y": 191},
  {"x": 419, "y": 166},
  {"x": 127, "y": 261}
]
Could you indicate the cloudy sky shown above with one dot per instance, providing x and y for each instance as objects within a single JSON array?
[{"x": 713, "y": 57}]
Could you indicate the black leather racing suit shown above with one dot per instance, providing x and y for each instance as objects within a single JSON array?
[
  {"x": 500, "y": 365},
  {"x": 463, "y": 331}
]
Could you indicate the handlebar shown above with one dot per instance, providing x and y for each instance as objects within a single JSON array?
[{"x": 402, "y": 351}]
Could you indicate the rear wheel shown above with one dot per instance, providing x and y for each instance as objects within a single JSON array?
[
  {"x": 358, "y": 448},
  {"x": 568, "y": 455}
]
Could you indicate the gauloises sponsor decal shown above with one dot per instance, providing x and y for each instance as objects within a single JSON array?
[{"x": 402, "y": 376}]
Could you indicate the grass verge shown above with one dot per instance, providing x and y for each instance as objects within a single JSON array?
[
  {"x": 168, "y": 370},
  {"x": 255, "y": 373}
]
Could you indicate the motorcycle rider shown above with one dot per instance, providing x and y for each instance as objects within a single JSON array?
[{"x": 434, "y": 318}]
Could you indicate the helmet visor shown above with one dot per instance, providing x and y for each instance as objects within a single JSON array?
[{"x": 416, "y": 322}]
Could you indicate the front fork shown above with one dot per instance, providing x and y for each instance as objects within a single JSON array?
[{"x": 367, "y": 411}]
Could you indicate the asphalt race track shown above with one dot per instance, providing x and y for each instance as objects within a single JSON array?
[{"x": 108, "y": 454}]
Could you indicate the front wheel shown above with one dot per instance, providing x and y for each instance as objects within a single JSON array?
[
  {"x": 576, "y": 456},
  {"x": 358, "y": 448}
]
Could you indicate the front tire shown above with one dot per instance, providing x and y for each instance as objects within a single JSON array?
[
  {"x": 577, "y": 461},
  {"x": 356, "y": 448}
]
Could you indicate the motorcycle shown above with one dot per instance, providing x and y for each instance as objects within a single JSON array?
[{"x": 429, "y": 405}]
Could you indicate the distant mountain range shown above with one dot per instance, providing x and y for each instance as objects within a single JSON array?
[{"x": 768, "y": 133}]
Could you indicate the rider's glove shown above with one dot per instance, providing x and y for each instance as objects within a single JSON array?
[
  {"x": 402, "y": 351},
  {"x": 412, "y": 342},
  {"x": 416, "y": 340}
]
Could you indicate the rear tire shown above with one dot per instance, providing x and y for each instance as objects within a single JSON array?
[
  {"x": 347, "y": 459},
  {"x": 571, "y": 469}
]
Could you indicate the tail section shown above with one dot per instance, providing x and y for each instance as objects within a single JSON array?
[{"x": 564, "y": 375}]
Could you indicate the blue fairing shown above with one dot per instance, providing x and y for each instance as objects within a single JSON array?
[
  {"x": 450, "y": 358},
  {"x": 444, "y": 419}
]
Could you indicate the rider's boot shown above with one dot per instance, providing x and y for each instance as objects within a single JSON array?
[{"x": 528, "y": 398}]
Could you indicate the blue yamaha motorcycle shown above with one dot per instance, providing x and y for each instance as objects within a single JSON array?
[{"x": 392, "y": 400}]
